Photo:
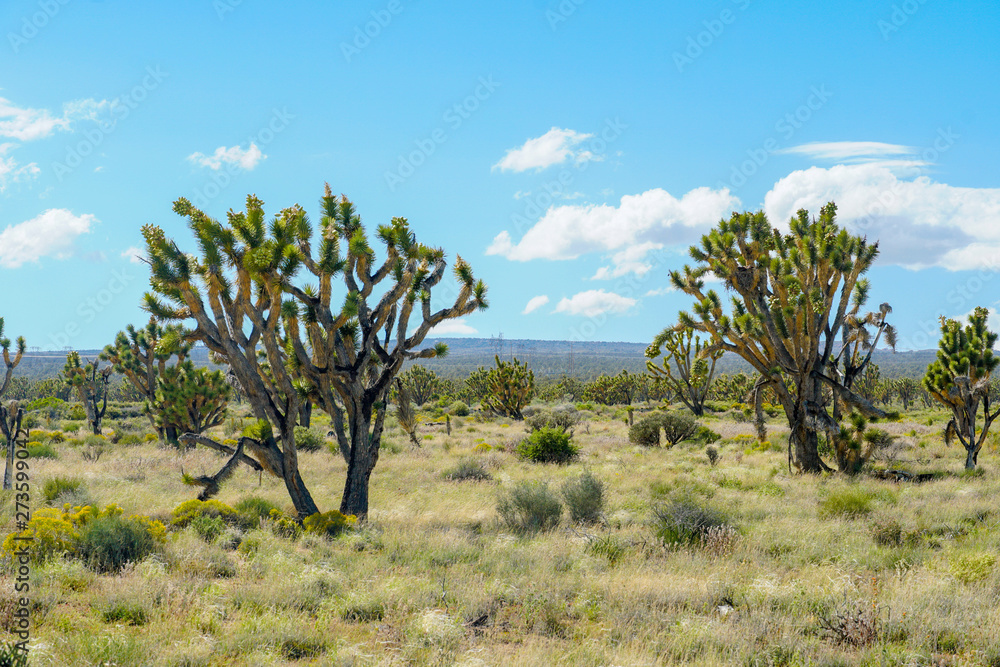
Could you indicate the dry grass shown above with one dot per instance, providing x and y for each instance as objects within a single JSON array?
[{"x": 435, "y": 580}]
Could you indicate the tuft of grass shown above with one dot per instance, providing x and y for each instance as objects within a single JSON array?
[
  {"x": 584, "y": 496},
  {"x": 57, "y": 486},
  {"x": 468, "y": 469},
  {"x": 529, "y": 507},
  {"x": 685, "y": 522},
  {"x": 849, "y": 502},
  {"x": 108, "y": 543}
]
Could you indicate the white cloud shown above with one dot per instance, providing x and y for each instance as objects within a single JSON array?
[
  {"x": 455, "y": 326},
  {"x": 51, "y": 234},
  {"x": 134, "y": 254},
  {"x": 660, "y": 291},
  {"x": 535, "y": 303},
  {"x": 26, "y": 124},
  {"x": 553, "y": 147},
  {"x": 235, "y": 156},
  {"x": 895, "y": 157},
  {"x": 11, "y": 171},
  {"x": 641, "y": 223},
  {"x": 595, "y": 302},
  {"x": 917, "y": 222}
]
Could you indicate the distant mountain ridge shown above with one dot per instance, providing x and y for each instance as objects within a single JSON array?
[{"x": 547, "y": 358}]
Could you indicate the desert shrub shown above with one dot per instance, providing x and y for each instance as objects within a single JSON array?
[
  {"x": 584, "y": 496},
  {"x": 363, "y": 611},
  {"x": 563, "y": 418},
  {"x": 37, "y": 450},
  {"x": 713, "y": 455},
  {"x": 253, "y": 509},
  {"x": 529, "y": 507},
  {"x": 77, "y": 413},
  {"x": 308, "y": 440},
  {"x": 328, "y": 524},
  {"x": 284, "y": 526},
  {"x": 468, "y": 469},
  {"x": 208, "y": 527},
  {"x": 57, "y": 486},
  {"x": 685, "y": 521},
  {"x": 887, "y": 532},
  {"x": 48, "y": 404},
  {"x": 850, "y": 501},
  {"x": 57, "y": 437},
  {"x": 548, "y": 445},
  {"x": 297, "y": 648},
  {"x": 189, "y": 510},
  {"x": 678, "y": 426},
  {"x": 459, "y": 409},
  {"x": 646, "y": 431},
  {"x": 108, "y": 542},
  {"x": 706, "y": 435},
  {"x": 968, "y": 568},
  {"x": 130, "y": 439}
]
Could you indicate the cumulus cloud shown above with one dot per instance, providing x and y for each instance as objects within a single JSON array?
[
  {"x": 235, "y": 156},
  {"x": 595, "y": 302},
  {"x": 535, "y": 303},
  {"x": 51, "y": 234},
  {"x": 918, "y": 222},
  {"x": 455, "y": 326},
  {"x": 13, "y": 172},
  {"x": 554, "y": 147},
  {"x": 639, "y": 224},
  {"x": 26, "y": 124},
  {"x": 660, "y": 291}
]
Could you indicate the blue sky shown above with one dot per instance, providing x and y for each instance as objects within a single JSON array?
[{"x": 571, "y": 151}]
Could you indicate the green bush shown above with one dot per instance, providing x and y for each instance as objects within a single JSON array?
[
  {"x": 848, "y": 502},
  {"x": 608, "y": 546},
  {"x": 563, "y": 418},
  {"x": 130, "y": 439},
  {"x": 123, "y": 613},
  {"x": 459, "y": 409},
  {"x": 37, "y": 450},
  {"x": 706, "y": 435},
  {"x": 108, "y": 542},
  {"x": 208, "y": 527},
  {"x": 77, "y": 413},
  {"x": 548, "y": 445},
  {"x": 678, "y": 426},
  {"x": 308, "y": 440},
  {"x": 584, "y": 498},
  {"x": 253, "y": 509},
  {"x": 49, "y": 404},
  {"x": 684, "y": 521},
  {"x": 57, "y": 486},
  {"x": 468, "y": 468},
  {"x": 646, "y": 431},
  {"x": 529, "y": 507},
  {"x": 189, "y": 510}
]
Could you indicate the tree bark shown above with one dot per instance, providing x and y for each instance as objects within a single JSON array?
[
  {"x": 970, "y": 458},
  {"x": 365, "y": 442}
]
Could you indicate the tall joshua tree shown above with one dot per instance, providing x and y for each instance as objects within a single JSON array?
[
  {"x": 243, "y": 293},
  {"x": 141, "y": 355},
  {"x": 960, "y": 379},
  {"x": 9, "y": 364},
  {"x": 687, "y": 369},
  {"x": 791, "y": 295},
  {"x": 91, "y": 385}
]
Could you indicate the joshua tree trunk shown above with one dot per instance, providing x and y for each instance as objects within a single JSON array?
[
  {"x": 10, "y": 425},
  {"x": 365, "y": 442}
]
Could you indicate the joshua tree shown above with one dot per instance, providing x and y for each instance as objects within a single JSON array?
[
  {"x": 188, "y": 399},
  {"x": 791, "y": 294},
  {"x": 141, "y": 356},
  {"x": 9, "y": 364},
  {"x": 510, "y": 387},
  {"x": 688, "y": 372},
  {"x": 868, "y": 385},
  {"x": 91, "y": 385},
  {"x": 421, "y": 382},
  {"x": 860, "y": 335},
  {"x": 342, "y": 357},
  {"x": 405, "y": 414},
  {"x": 732, "y": 387},
  {"x": 907, "y": 390},
  {"x": 960, "y": 379}
]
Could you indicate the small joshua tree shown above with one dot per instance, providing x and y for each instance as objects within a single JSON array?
[
  {"x": 9, "y": 364},
  {"x": 141, "y": 355},
  {"x": 907, "y": 390},
  {"x": 406, "y": 415},
  {"x": 960, "y": 379},
  {"x": 688, "y": 366},
  {"x": 511, "y": 386},
  {"x": 421, "y": 383},
  {"x": 189, "y": 399},
  {"x": 91, "y": 385},
  {"x": 10, "y": 428}
]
